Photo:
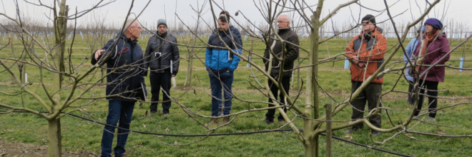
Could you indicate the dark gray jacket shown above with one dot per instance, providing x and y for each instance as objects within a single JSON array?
[
  {"x": 159, "y": 54},
  {"x": 291, "y": 52},
  {"x": 125, "y": 69}
]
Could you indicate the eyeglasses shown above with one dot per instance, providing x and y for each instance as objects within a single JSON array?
[{"x": 365, "y": 23}]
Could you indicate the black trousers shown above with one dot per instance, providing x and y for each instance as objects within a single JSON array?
[
  {"x": 274, "y": 89},
  {"x": 371, "y": 94},
  {"x": 411, "y": 95},
  {"x": 158, "y": 81},
  {"x": 432, "y": 97}
]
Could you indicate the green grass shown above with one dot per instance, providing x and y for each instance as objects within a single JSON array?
[{"x": 83, "y": 135}]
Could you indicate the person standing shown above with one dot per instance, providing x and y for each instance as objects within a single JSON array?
[
  {"x": 162, "y": 58},
  {"x": 221, "y": 64},
  {"x": 234, "y": 32},
  {"x": 366, "y": 52},
  {"x": 433, "y": 50},
  {"x": 410, "y": 48},
  {"x": 125, "y": 84},
  {"x": 290, "y": 46}
]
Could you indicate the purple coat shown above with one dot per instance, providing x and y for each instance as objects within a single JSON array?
[{"x": 436, "y": 50}]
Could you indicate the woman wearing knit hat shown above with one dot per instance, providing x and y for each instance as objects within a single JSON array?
[{"x": 434, "y": 50}]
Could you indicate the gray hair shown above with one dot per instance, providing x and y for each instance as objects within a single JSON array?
[{"x": 129, "y": 22}]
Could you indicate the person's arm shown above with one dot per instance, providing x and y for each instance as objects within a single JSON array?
[
  {"x": 147, "y": 56},
  {"x": 350, "y": 52},
  {"x": 237, "y": 34},
  {"x": 236, "y": 59},
  {"x": 409, "y": 50},
  {"x": 292, "y": 49},
  {"x": 445, "y": 48},
  {"x": 101, "y": 52},
  {"x": 175, "y": 58}
]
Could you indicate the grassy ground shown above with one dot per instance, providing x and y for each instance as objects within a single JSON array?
[{"x": 83, "y": 135}]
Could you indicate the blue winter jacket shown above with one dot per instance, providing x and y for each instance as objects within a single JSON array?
[
  {"x": 125, "y": 69},
  {"x": 409, "y": 51},
  {"x": 218, "y": 57}
]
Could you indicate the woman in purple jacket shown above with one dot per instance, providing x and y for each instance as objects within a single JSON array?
[{"x": 433, "y": 51}]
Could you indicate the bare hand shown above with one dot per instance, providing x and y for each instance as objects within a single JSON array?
[
  {"x": 98, "y": 53},
  {"x": 173, "y": 75},
  {"x": 355, "y": 59}
]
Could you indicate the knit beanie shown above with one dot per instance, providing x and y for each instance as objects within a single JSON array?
[
  {"x": 434, "y": 22},
  {"x": 161, "y": 22},
  {"x": 370, "y": 18}
]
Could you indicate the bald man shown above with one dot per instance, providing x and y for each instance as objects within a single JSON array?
[
  {"x": 125, "y": 84},
  {"x": 278, "y": 70}
]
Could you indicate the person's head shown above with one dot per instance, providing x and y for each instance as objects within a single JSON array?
[
  {"x": 225, "y": 14},
  {"x": 133, "y": 29},
  {"x": 420, "y": 31},
  {"x": 223, "y": 24},
  {"x": 283, "y": 21},
  {"x": 368, "y": 23},
  {"x": 432, "y": 25},
  {"x": 161, "y": 26}
]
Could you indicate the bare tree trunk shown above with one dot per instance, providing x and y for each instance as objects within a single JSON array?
[
  {"x": 54, "y": 126},
  {"x": 328, "y": 131},
  {"x": 311, "y": 142},
  {"x": 54, "y": 138}
]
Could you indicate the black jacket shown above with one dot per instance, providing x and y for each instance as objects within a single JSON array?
[
  {"x": 125, "y": 69},
  {"x": 291, "y": 52},
  {"x": 160, "y": 53}
]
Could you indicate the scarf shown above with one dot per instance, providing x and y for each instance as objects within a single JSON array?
[{"x": 429, "y": 37}]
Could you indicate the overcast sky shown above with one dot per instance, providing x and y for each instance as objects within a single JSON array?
[{"x": 459, "y": 10}]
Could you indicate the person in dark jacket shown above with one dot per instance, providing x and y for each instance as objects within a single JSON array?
[
  {"x": 221, "y": 63},
  {"x": 125, "y": 84},
  {"x": 281, "y": 70},
  {"x": 366, "y": 52},
  {"x": 433, "y": 50},
  {"x": 162, "y": 57}
]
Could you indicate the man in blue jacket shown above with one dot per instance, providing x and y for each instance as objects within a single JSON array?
[
  {"x": 221, "y": 62},
  {"x": 125, "y": 84}
]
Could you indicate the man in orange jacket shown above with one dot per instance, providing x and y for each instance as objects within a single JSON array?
[{"x": 366, "y": 52}]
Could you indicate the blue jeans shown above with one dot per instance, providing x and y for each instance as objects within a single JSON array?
[
  {"x": 219, "y": 80},
  {"x": 117, "y": 111}
]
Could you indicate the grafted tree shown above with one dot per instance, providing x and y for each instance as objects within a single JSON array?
[{"x": 52, "y": 98}]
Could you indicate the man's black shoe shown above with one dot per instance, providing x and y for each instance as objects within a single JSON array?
[
  {"x": 376, "y": 133},
  {"x": 267, "y": 121}
]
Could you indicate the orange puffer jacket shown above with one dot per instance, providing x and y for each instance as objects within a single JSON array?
[{"x": 370, "y": 52}]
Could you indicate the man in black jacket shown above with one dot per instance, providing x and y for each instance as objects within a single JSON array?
[
  {"x": 125, "y": 84},
  {"x": 288, "y": 52},
  {"x": 162, "y": 57}
]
